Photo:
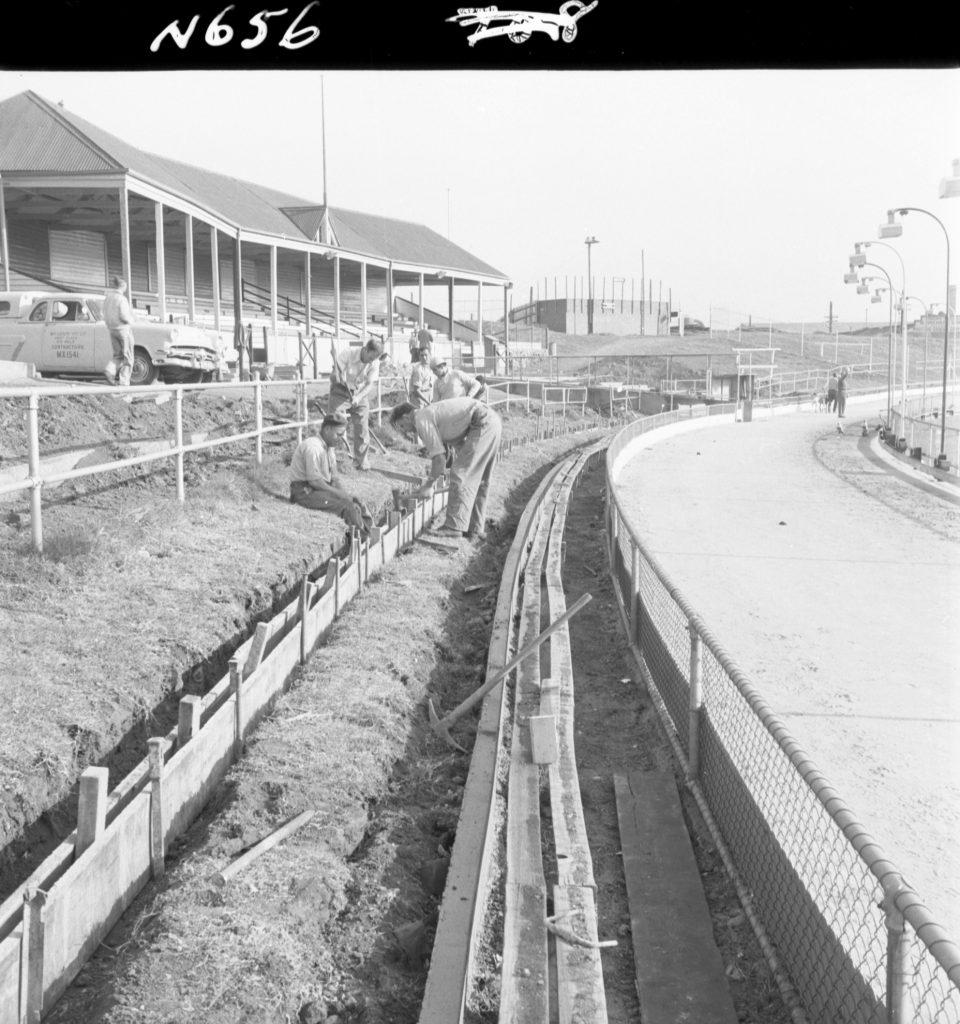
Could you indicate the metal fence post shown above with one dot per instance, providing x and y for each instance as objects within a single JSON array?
[
  {"x": 178, "y": 439},
  {"x": 258, "y": 413},
  {"x": 898, "y": 959},
  {"x": 634, "y": 593},
  {"x": 33, "y": 444},
  {"x": 696, "y": 703}
]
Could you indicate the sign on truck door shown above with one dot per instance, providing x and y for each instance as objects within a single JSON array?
[{"x": 72, "y": 343}]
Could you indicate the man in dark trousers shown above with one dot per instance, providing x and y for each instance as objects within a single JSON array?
[
  {"x": 315, "y": 480},
  {"x": 473, "y": 430}
]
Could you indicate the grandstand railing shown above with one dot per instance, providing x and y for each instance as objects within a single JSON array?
[{"x": 857, "y": 942}]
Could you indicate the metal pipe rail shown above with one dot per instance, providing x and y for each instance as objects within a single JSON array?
[
  {"x": 487, "y": 827},
  {"x": 36, "y": 477}
]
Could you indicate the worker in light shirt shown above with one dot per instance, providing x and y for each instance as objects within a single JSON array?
[
  {"x": 315, "y": 480},
  {"x": 452, "y": 383},
  {"x": 352, "y": 379},
  {"x": 473, "y": 430}
]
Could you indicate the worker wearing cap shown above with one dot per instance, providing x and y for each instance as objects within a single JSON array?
[
  {"x": 452, "y": 383},
  {"x": 315, "y": 480},
  {"x": 353, "y": 377},
  {"x": 420, "y": 385},
  {"x": 118, "y": 316},
  {"x": 473, "y": 430}
]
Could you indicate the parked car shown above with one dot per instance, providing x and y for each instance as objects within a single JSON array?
[{"x": 63, "y": 334}]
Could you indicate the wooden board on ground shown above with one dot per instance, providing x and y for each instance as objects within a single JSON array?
[
  {"x": 680, "y": 974},
  {"x": 449, "y": 545}
]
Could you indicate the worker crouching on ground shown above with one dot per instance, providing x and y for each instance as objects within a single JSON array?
[
  {"x": 473, "y": 430},
  {"x": 315, "y": 481},
  {"x": 352, "y": 379}
]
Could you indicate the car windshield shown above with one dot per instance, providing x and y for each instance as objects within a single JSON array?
[{"x": 96, "y": 308}]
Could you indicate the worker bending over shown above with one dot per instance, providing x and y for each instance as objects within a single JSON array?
[{"x": 473, "y": 430}]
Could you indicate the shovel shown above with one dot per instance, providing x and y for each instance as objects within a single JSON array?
[{"x": 441, "y": 726}]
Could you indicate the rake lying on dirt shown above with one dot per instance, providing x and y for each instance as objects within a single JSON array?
[{"x": 441, "y": 726}]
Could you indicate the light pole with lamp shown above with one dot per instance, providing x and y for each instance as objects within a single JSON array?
[
  {"x": 926, "y": 338},
  {"x": 892, "y": 229},
  {"x": 903, "y": 314},
  {"x": 588, "y": 242},
  {"x": 890, "y": 342}
]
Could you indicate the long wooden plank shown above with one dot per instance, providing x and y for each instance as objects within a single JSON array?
[
  {"x": 462, "y": 910},
  {"x": 574, "y": 863},
  {"x": 679, "y": 969},
  {"x": 580, "y": 992},
  {"x": 524, "y": 928}
]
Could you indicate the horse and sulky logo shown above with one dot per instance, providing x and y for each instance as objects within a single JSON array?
[{"x": 518, "y": 26}]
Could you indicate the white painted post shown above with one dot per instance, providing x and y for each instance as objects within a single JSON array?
[
  {"x": 188, "y": 724},
  {"x": 178, "y": 440},
  {"x": 258, "y": 414},
  {"x": 31, "y": 957},
  {"x": 236, "y": 685},
  {"x": 91, "y": 808},
  {"x": 33, "y": 448},
  {"x": 155, "y": 757}
]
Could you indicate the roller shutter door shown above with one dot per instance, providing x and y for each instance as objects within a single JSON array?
[{"x": 78, "y": 258}]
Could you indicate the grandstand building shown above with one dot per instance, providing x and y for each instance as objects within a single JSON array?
[{"x": 78, "y": 205}]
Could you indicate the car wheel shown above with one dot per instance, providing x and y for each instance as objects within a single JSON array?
[
  {"x": 518, "y": 37},
  {"x": 143, "y": 372},
  {"x": 569, "y": 33}
]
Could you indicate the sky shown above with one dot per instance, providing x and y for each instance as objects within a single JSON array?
[{"x": 740, "y": 193}]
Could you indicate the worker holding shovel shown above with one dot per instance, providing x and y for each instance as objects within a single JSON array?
[
  {"x": 352, "y": 378},
  {"x": 473, "y": 430}
]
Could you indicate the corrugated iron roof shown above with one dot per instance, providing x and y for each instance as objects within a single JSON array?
[{"x": 40, "y": 137}]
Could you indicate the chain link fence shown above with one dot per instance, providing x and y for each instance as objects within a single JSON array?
[{"x": 856, "y": 942}]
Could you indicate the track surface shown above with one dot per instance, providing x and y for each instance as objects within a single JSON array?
[{"x": 834, "y": 583}]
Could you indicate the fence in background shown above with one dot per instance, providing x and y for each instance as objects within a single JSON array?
[{"x": 856, "y": 940}]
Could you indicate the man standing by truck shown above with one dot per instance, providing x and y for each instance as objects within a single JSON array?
[{"x": 118, "y": 317}]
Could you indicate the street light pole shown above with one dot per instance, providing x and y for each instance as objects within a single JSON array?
[
  {"x": 903, "y": 316},
  {"x": 589, "y": 241},
  {"x": 941, "y": 460},
  {"x": 889, "y": 342},
  {"x": 926, "y": 338}
]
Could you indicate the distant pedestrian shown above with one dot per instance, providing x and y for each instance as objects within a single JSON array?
[
  {"x": 352, "y": 380},
  {"x": 842, "y": 391},
  {"x": 420, "y": 387},
  {"x": 424, "y": 337},
  {"x": 473, "y": 430},
  {"x": 118, "y": 316},
  {"x": 832, "y": 392},
  {"x": 452, "y": 383},
  {"x": 315, "y": 479}
]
